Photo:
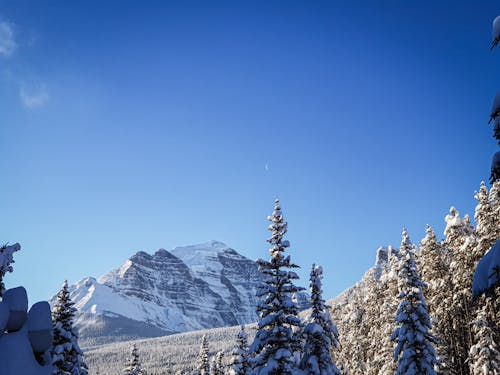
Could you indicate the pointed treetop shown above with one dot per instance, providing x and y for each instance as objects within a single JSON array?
[
  {"x": 405, "y": 238},
  {"x": 430, "y": 238},
  {"x": 429, "y": 231},
  {"x": 277, "y": 209},
  {"x": 483, "y": 189}
]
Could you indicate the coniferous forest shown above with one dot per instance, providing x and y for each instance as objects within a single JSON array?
[{"x": 430, "y": 306}]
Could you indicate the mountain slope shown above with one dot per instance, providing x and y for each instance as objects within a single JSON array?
[
  {"x": 189, "y": 288},
  {"x": 180, "y": 351}
]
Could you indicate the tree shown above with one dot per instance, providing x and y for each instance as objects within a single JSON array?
[
  {"x": 321, "y": 335},
  {"x": 6, "y": 260},
  {"x": 484, "y": 354},
  {"x": 382, "y": 307},
  {"x": 485, "y": 220},
  {"x": 67, "y": 357},
  {"x": 414, "y": 352},
  {"x": 239, "y": 361},
  {"x": 460, "y": 247},
  {"x": 278, "y": 338},
  {"x": 435, "y": 273},
  {"x": 203, "y": 358},
  {"x": 133, "y": 366},
  {"x": 217, "y": 364}
]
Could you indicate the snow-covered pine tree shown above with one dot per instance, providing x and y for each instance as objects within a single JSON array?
[
  {"x": 6, "y": 260},
  {"x": 414, "y": 351},
  {"x": 460, "y": 245},
  {"x": 133, "y": 365},
  {"x": 353, "y": 334},
  {"x": 484, "y": 354},
  {"x": 217, "y": 367},
  {"x": 435, "y": 273},
  {"x": 278, "y": 338},
  {"x": 382, "y": 307},
  {"x": 203, "y": 367},
  {"x": 67, "y": 357},
  {"x": 321, "y": 335},
  {"x": 485, "y": 221},
  {"x": 494, "y": 198},
  {"x": 239, "y": 356}
]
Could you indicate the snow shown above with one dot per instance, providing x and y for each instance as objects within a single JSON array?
[
  {"x": 487, "y": 274},
  {"x": 16, "y": 355},
  {"x": 6, "y": 257},
  {"x": 95, "y": 298},
  {"x": 201, "y": 258},
  {"x": 40, "y": 326},
  {"x": 4, "y": 316},
  {"x": 17, "y": 300},
  {"x": 39, "y": 317}
]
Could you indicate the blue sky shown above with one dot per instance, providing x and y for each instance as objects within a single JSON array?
[{"x": 128, "y": 126}]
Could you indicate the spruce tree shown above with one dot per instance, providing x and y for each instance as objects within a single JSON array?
[
  {"x": 352, "y": 357},
  {"x": 321, "y": 335},
  {"x": 485, "y": 220},
  {"x": 67, "y": 357},
  {"x": 133, "y": 366},
  {"x": 414, "y": 352},
  {"x": 217, "y": 367},
  {"x": 460, "y": 246},
  {"x": 484, "y": 354},
  {"x": 382, "y": 300},
  {"x": 239, "y": 361},
  {"x": 494, "y": 198},
  {"x": 203, "y": 367},
  {"x": 278, "y": 338},
  {"x": 435, "y": 273}
]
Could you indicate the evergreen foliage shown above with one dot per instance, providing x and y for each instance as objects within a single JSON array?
[
  {"x": 217, "y": 367},
  {"x": 133, "y": 366},
  {"x": 321, "y": 335},
  {"x": 278, "y": 339},
  {"x": 67, "y": 357},
  {"x": 203, "y": 358},
  {"x": 239, "y": 361},
  {"x": 414, "y": 352},
  {"x": 6, "y": 260},
  {"x": 484, "y": 354},
  {"x": 435, "y": 273},
  {"x": 485, "y": 220}
]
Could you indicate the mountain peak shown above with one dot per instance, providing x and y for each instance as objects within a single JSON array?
[{"x": 140, "y": 255}]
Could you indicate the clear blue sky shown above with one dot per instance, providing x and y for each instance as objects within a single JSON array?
[{"x": 128, "y": 126}]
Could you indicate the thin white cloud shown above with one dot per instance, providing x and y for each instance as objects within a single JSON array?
[
  {"x": 34, "y": 95},
  {"x": 7, "y": 41}
]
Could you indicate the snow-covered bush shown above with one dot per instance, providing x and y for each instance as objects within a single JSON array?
[{"x": 25, "y": 337}]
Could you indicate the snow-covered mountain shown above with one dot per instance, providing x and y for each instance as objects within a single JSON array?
[
  {"x": 182, "y": 349},
  {"x": 188, "y": 288}
]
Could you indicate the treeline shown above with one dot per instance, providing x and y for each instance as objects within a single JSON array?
[{"x": 466, "y": 329}]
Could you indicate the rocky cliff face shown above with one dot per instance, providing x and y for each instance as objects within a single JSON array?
[{"x": 189, "y": 288}]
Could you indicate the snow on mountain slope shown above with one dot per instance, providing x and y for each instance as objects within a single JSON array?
[
  {"x": 189, "y": 288},
  {"x": 174, "y": 352},
  {"x": 180, "y": 351},
  {"x": 228, "y": 273}
]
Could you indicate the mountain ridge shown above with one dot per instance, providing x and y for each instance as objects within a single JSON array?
[{"x": 188, "y": 288}]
